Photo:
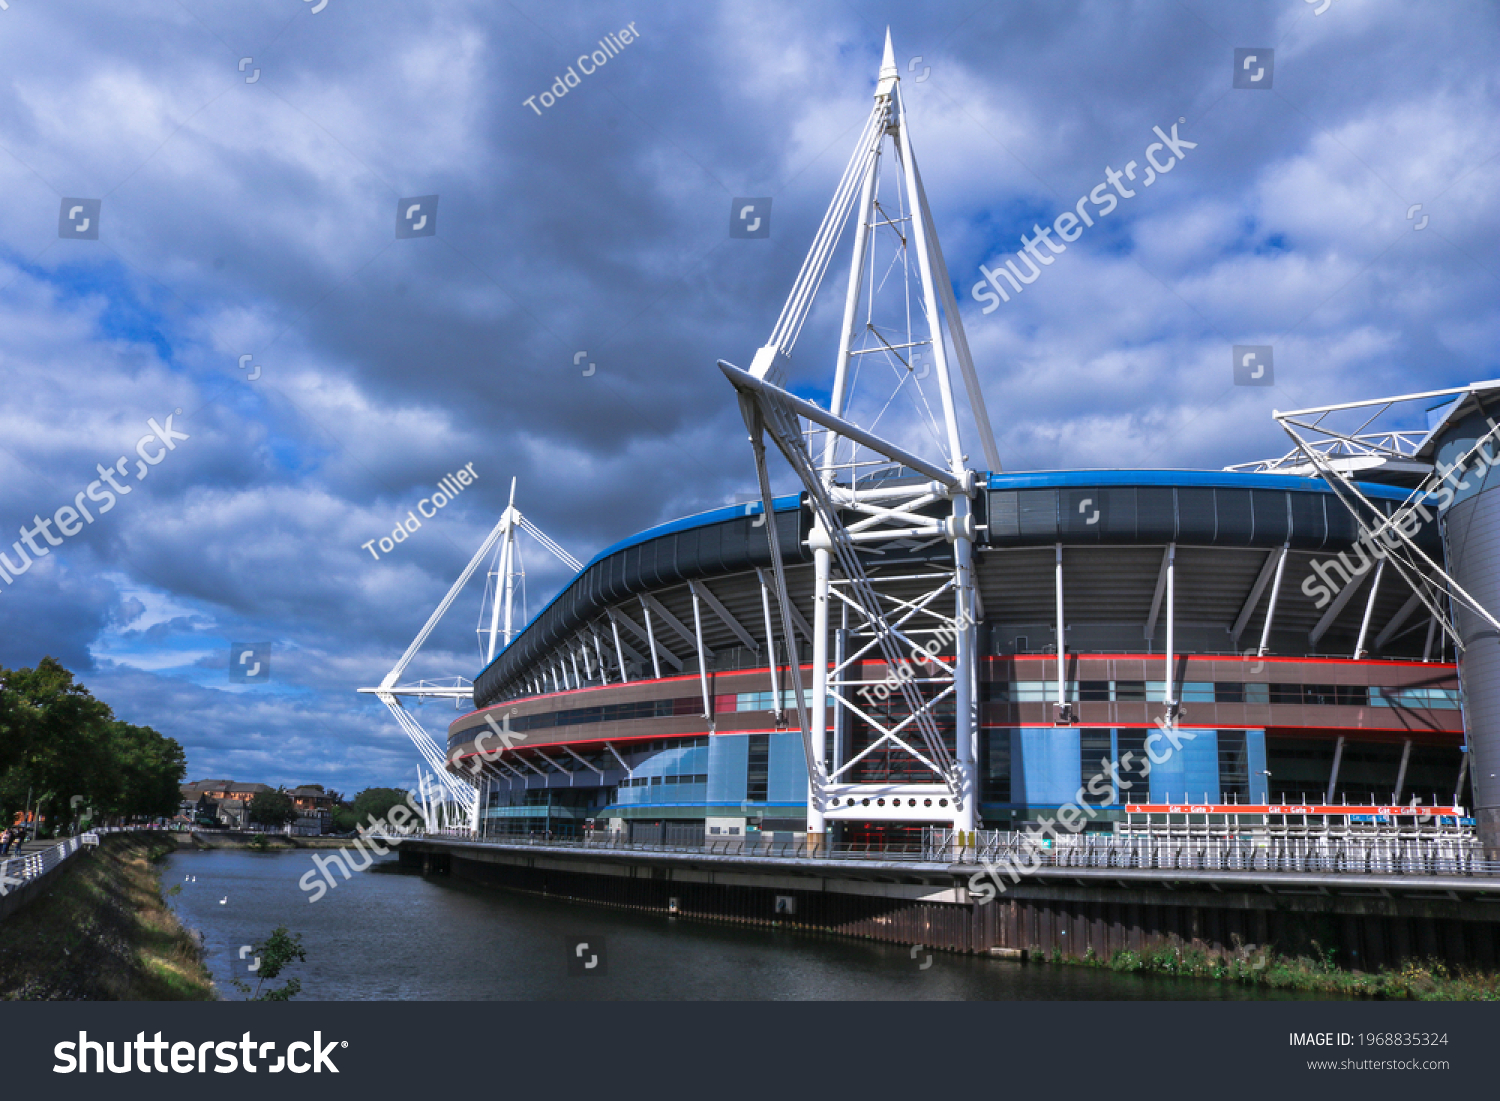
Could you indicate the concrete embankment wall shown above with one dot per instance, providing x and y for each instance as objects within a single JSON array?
[
  {"x": 1364, "y": 930},
  {"x": 15, "y": 898}
]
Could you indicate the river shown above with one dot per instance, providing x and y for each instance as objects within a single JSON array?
[{"x": 396, "y": 936}]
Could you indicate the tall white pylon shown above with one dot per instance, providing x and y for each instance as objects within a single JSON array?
[
  {"x": 465, "y": 791},
  {"x": 892, "y": 544}
]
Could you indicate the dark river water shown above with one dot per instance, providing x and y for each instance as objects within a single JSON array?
[{"x": 394, "y": 936}]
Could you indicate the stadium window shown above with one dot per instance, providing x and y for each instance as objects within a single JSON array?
[
  {"x": 1229, "y": 692},
  {"x": 1319, "y": 695},
  {"x": 1132, "y": 742},
  {"x": 1130, "y": 691},
  {"x": 758, "y": 772},
  {"x": 1198, "y": 692},
  {"x": 1093, "y": 691},
  {"x": 997, "y": 766},
  {"x": 1286, "y": 693},
  {"x": 1353, "y": 695},
  {"x": 1234, "y": 765},
  {"x": 1094, "y": 748}
]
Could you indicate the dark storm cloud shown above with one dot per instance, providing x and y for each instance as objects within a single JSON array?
[{"x": 257, "y": 219}]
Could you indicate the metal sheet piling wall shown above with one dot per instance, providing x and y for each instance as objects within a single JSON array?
[{"x": 1031, "y": 920}]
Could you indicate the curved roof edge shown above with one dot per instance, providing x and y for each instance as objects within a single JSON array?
[
  {"x": 788, "y": 503},
  {"x": 1227, "y": 479}
]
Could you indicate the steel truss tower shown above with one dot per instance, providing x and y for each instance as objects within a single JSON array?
[
  {"x": 463, "y": 792},
  {"x": 894, "y": 526}
]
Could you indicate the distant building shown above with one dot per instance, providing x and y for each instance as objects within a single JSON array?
[
  {"x": 314, "y": 808},
  {"x": 223, "y": 801}
]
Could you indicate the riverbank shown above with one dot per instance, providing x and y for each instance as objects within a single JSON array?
[
  {"x": 1429, "y": 981},
  {"x": 104, "y": 932},
  {"x": 248, "y": 841}
]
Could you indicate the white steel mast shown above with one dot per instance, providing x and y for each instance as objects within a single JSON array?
[
  {"x": 893, "y": 548},
  {"x": 465, "y": 791}
]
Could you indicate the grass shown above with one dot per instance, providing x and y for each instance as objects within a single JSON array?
[
  {"x": 103, "y": 933},
  {"x": 1415, "y": 980}
]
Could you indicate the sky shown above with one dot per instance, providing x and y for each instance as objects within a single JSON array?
[{"x": 249, "y": 163}]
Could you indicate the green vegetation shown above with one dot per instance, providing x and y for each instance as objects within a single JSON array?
[
  {"x": 1252, "y": 966},
  {"x": 272, "y": 808},
  {"x": 370, "y": 805},
  {"x": 103, "y": 932},
  {"x": 272, "y": 956},
  {"x": 77, "y": 762}
]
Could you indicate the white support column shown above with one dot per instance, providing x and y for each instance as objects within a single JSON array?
[
  {"x": 508, "y": 583},
  {"x": 765, "y": 607},
  {"x": 500, "y": 582},
  {"x": 651, "y": 639},
  {"x": 840, "y": 713},
  {"x": 1364, "y": 624},
  {"x": 614, "y": 626},
  {"x": 1333, "y": 775},
  {"x": 1265, "y": 628},
  {"x": 1401, "y": 772},
  {"x": 573, "y": 659},
  {"x": 1169, "y": 697},
  {"x": 966, "y": 816},
  {"x": 708, "y": 712},
  {"x": 1063, "y": 714},
  {"x": 818, "y": 709},
  {"x": 599, "y": 654},
  {"x": 1262, "y": 579},
  {"x": 1335, "y": 608}
]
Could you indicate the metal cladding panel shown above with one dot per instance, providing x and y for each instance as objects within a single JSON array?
[
  {"x": 1342, "y": 530},
  {"x": 1272, "y": 515},
  {"x": 1309, "y": 520},
  {"x": 1119, "y": 513},
  {"x": 1156, "y": 514},
  {"x": 689, "y": 554},
  {"x": 1473, "y": 538},
  {"x": 1038, "y": 514},
  {"x": 726, "y": 547},
  {"x": 1197, "y": 521},
  {"x": 1082, "y": 514},
  {"x": 1209, "y": 515},
  {"x": 1238, "y": 520},
  {"x": 1005, "y": 516}
]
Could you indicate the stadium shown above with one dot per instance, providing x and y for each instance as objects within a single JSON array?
[
  {"x": 643, "y": 695},
  {"x": 911, "y": 642}
]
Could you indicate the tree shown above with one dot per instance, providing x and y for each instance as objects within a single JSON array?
[
  {"x": 272, "y": 808},
  {"x": 272, "y": 956},
  {"x": 373, "y": 804}
]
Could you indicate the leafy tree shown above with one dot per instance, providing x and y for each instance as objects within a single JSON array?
[
  {"x": 272, "y": 808},
  {"x": 72, "y": 755},
  {"x": 344, "y": 818},
  {"x": 275, "y": 953},
  {"x": 373, "y": 804}
]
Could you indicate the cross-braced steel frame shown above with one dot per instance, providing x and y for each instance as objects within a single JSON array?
[
  {"x": 1391, "y": 536},
  {"x": 892, "y": 548}
]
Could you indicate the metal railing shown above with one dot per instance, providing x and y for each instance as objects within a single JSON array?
[
  {"x": 1444, "y": 856},
  {"x": 1257, "y": 852},
  {"x": 16, "y": 871}
]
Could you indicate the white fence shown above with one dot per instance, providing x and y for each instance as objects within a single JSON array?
[{"x": 17, "y": 871}]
